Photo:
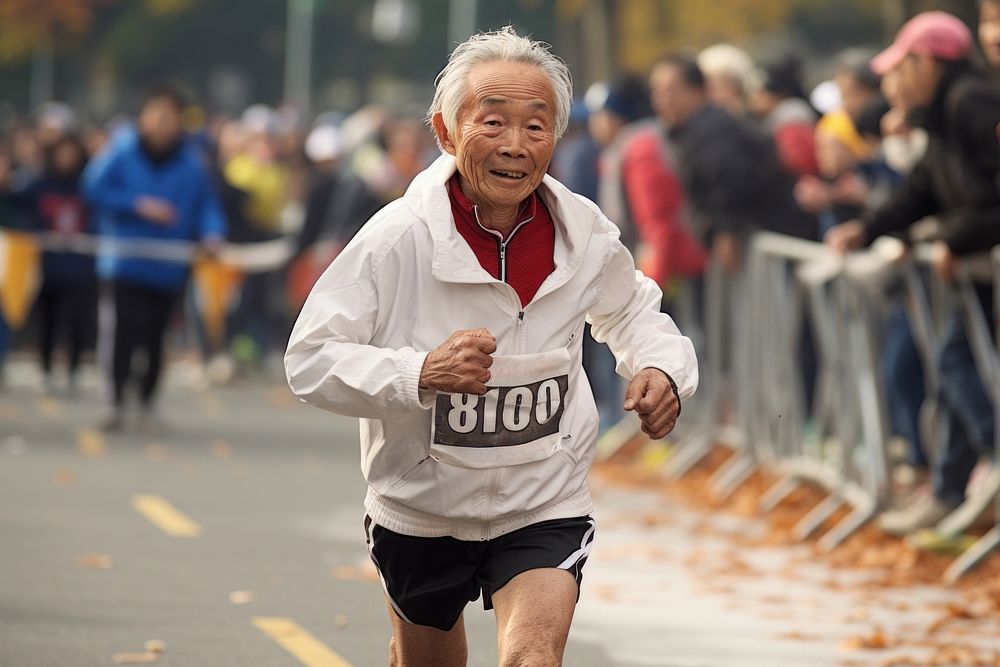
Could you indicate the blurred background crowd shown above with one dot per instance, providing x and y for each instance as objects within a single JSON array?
[{"x": 114, "y": 128}]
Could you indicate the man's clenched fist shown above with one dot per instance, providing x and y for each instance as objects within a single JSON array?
[
  {"x": 651, "y": 395},
  {"x": 461, "y": 364}
]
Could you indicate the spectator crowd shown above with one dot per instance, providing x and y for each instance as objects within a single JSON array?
[{"x": 688, "y": 159}]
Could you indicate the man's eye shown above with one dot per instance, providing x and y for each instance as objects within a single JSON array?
[
  {"x": 535, "y": 128},
  {"x": 493, "y": 123}
]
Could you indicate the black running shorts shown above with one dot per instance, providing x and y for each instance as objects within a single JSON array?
[{"x": 429, "y": 580}]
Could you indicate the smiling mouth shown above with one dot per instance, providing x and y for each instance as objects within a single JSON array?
[{"x": 510, "y": 175}]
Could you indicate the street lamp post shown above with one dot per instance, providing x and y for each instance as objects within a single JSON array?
[
  {"x": 461, "y": 21},
  {"x": 298, "y": 54},
  {"x": 42, "y": 75}
]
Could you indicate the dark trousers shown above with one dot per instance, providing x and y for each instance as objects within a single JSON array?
[
  {"x": 967, "y": 410},
  {"x": 903, "y": 373},
  {"x": 66, "y": 311},
  {"x": 141, "y": 318}
]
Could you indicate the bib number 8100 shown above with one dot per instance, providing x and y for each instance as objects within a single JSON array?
[{"x": 504, "y": 416}]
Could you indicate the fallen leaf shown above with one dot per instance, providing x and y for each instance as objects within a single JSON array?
[
  {"x": 241, "y": 597},
  {"x": 876, "y": 640},
  {"x": 63, "y": 477},
  {"x": 857, "y": 616},
  {"x": 96, "y": 561},
  {"x": 155, "y": 646}
]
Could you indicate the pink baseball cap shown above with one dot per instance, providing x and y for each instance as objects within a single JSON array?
[{"x": 937, "y": 34}]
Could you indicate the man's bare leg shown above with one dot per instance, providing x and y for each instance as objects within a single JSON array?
[
  {"x": 422, "y": 646},
  {"x": 534, "y": 611}
]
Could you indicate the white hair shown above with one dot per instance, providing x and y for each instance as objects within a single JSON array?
[
  {"x": 730, "y": 61},
  {"x": 504, "y": 45}
]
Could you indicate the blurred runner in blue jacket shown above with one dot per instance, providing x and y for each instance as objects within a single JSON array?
[{"x": 150, "y": 184}]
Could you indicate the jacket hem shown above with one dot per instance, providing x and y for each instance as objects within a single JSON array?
[{"x": 404, "y": 520}]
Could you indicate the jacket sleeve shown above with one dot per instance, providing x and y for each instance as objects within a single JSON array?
[
  {"x": 102, "y": 185},
  {"x": 796, "y": 145},
  {"x": 976, "y": 226},
  {"x": 626, "y": 316},
  {"x": 655, "y": 199},
  {"x": 913, "y": 201},
  {"x": 211, "y": 219},
  {"x": 331, "y": 361}
]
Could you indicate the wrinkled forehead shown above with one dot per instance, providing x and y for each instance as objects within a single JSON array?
[{"x": 500, "y": 84}]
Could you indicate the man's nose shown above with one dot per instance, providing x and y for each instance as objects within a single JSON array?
[{"x": 513, "y": 145}]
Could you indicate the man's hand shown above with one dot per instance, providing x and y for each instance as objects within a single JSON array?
[
  {"x": 812, "y": 194},
  {"x": 461, "y": 364},
  {"x": 850, "y": 189},
  {"x": 156, "y": 210},
  {"x": 943, "y": 262},
  {"x": 845, "y": 237},
  {"x": 651, "y": 396}
]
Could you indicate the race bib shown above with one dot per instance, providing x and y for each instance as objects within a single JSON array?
[{"x": 517, "y": 421}]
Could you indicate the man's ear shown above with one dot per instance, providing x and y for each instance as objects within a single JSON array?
[{"x": 441, "y": 131}]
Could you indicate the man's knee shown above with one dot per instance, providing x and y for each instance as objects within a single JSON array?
[{"x": 534, "y": 656}]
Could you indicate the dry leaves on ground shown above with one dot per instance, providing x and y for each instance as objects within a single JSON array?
[
  {"x": 877, "y": 639},
  {"x": 241, "y": 597},
  {"x": 96, "y": 561}
]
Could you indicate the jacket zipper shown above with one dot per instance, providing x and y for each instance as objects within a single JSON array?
[{"x": 501, "y": 242}]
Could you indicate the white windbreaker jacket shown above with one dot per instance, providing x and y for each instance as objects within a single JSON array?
[{"x": 475, "y": 467}]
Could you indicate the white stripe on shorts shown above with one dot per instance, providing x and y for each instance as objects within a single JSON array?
[
  {"x": 378, "y": 568},
  {"x": 585, "y": 546}
]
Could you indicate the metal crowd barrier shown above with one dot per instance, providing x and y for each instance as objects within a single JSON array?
[
  {"x": 986, "y": 355},
  {"x": 249, "y": 257},
  {"x": 838, "y": 441},
  {"x": 754, "y": 401}
]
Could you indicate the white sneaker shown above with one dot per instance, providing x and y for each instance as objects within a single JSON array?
[{"x": 925, "y": 512}]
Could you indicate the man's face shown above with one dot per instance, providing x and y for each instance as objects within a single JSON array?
[
  {"x": 505, "y": 134},
  {"x": 604, "y": 127},
  {"x": 160, "y": 123},
  {"x": 673, "y": 99},
  {"x": 989, "y": 31},
  {"x": 724, "y": 91},
  {"x": 916, "y": 79}
]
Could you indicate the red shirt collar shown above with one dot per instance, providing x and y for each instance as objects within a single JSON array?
[{"x": 525, "y": 213}]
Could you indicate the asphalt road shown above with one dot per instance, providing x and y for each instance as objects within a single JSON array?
[{"x": 263, "y": 496}]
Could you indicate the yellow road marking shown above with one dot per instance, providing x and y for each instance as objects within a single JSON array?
[
  {"x": 310, "y": 651},
  {"x": 49, "y": 407},
  {"x": 91, "y": 443},
  {"x": 165, "y": 516}
]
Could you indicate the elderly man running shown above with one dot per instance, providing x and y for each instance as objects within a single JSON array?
[{"x": 476, "y": 449}]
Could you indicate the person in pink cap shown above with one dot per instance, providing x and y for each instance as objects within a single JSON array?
[{"x": 956, "y": 182}]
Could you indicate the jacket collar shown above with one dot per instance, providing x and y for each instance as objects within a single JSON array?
[{"x": 453, "y": 259}]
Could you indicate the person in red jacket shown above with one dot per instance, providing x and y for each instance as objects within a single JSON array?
[
  {"x": 788, "y": 117},
  {"x": 658, "y": 210}
]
